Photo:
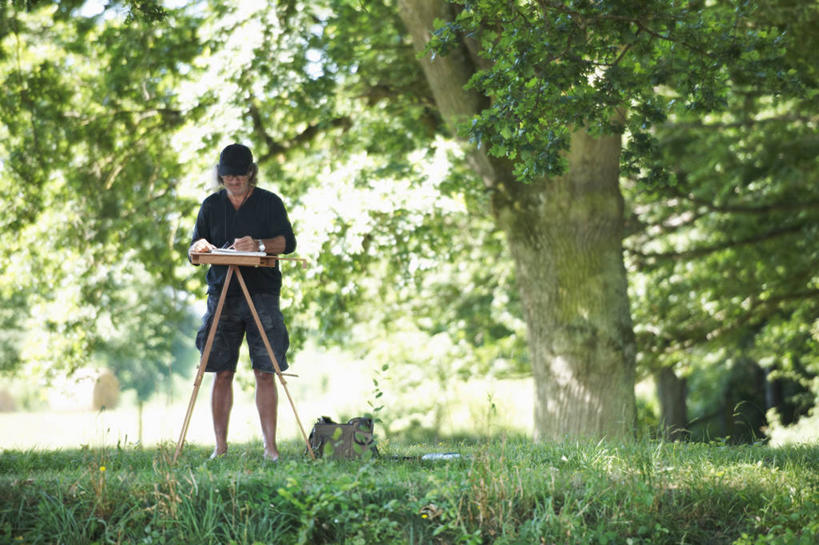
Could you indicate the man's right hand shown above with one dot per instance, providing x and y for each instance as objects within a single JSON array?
[{"x": 201, "y": 245}]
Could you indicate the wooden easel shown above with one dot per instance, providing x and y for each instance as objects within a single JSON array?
[{"x": 234, "y": 262}]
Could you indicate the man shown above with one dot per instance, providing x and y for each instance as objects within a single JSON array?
[{"x": 246, "y": 218}]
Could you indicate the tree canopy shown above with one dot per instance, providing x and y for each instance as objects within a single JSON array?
[{"x": 112, "y": 122}]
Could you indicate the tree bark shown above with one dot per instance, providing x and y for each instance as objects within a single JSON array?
[
  {"x": 671, "y": 392},
  {"x": 565, "y": 235}
]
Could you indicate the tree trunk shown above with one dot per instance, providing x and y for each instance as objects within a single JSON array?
[
  {"x": 671, "y": 392},
  {"x": 565, "y": 236},
  {"x": 140, "y": 405}
]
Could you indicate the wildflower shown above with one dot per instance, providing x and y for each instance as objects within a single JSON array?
[{"x": 102, "y": 469}]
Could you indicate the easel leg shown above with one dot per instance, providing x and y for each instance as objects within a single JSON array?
[
  {"x": 203, "y": 362},
  {"x": 273, "y": 359}
]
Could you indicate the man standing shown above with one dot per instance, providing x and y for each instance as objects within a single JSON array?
[{"x": 246, "y": 218}]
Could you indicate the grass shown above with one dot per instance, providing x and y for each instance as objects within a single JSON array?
[{"x": 500, "y": 491}]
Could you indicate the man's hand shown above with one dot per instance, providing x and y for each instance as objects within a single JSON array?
[
  {"x": 246, "y": 244},
  {"x": 201, "y": 245}
]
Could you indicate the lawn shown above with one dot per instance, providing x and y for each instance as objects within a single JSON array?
[{"x": 501, "y": 490}]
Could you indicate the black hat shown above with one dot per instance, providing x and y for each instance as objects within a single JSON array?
[{"x": 235, "y": 160}]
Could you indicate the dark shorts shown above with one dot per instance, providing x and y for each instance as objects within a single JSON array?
[{"x": 236, "y": 321}]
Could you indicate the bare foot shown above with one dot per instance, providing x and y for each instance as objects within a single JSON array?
[
  {"x": 271, "y": 456},
  {"x": 217, "y": 454}
]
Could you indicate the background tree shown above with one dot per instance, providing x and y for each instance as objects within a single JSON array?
[
  {"x": 148, "y": 348},
  {"x": 597, "y": 75},
  {"x": 726, "y": 246},
  {"x": 557, "y": 78},
  {"x": 559, "y": 102},
  {"x": 90, "y": 183}
]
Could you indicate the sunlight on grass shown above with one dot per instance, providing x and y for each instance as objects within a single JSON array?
[
  {"x": 328, "y": 384},
  {"x": 500, "y": 491}
]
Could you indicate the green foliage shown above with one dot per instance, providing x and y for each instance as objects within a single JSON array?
[
  {"x": 106, "y": 121},
  {"x": 656, "y": 493},
  {"x": 102, "y": 146},
  {"x": 550, "y": 68},
  {"x": 93, "y": 211},
  {"x": 723, "y": 255},
  {"x": 164, "y": 346},
  {"x": 345, "y": 127},
  {"x": 718, "y": 159}
]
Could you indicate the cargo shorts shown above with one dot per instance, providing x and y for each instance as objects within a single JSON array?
[{"x": 235, "y": 323}]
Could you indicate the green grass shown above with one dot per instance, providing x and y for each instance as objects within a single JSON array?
[{"x": 500, "y": 491}]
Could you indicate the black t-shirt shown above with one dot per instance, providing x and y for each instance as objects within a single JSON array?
[{"x": 261, "y": 216}]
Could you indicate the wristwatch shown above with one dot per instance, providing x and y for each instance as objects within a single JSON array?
[{"x": 261, "y": 245}]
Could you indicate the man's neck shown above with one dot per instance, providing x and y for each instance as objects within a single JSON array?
[{"x": 237, "y": 200}]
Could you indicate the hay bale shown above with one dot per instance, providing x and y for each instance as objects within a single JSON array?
[{"x": 106, "y": 391}]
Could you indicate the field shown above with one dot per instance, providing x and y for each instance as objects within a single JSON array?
[
  {"x": 330, "y": 384},
  {"x": 500, "y": 490},
  {"x": 80, "y": 477}
]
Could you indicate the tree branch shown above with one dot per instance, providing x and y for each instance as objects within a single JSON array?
[
  {"x": 140, "y": 114},
  {"x": 703, "y": 206},
  {"x": 670, "y": 224},
  {"x": 546, "y": 5},
  {"x": 276, "y": 148},
  {"x": 763, "y": 209},
  {"x": 687, "y": 338},
  {"x": 788, "y": 117},
  {"x": 782, "y": 206},
  {"x": 707, "y": 250},
  {"x": 760, "y": 311}
]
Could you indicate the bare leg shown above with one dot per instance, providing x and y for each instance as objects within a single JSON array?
[
  {"x": 267, "y": 400},
  {"x": 221, "y": 402}
]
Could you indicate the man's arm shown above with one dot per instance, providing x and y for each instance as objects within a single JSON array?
[
  {"x": 287, "y": 244},
  {"x": 201, "y": 233},
  {"x": 275, "y": 245},
  {"x": 273, "y": 219}
]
